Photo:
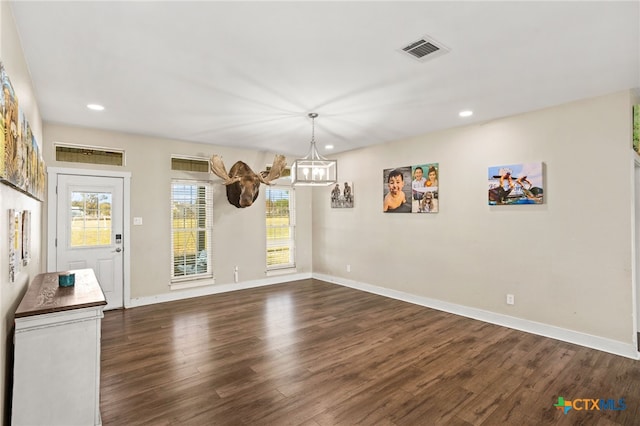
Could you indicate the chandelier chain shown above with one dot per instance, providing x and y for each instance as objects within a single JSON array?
[{"x": 313, "y": 116}]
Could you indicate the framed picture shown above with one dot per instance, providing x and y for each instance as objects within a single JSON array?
[
  {"x": 14, "y": 243},
  {"x": 396, "y": 184},
  {"x": 424, "y": 188},
  {"x": 516, "y": 184},
  {"x": 21, "y": 164},
  {"x": 26, "y": 237},
  {"x": 636, "y": 128},
  {"x": 342, "y": 195}
]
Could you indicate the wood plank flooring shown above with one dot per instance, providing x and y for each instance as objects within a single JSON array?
[{"x": 315, "y": 354}]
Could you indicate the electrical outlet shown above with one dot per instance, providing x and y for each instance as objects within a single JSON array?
[
  {"x": 348, "y": 268},
  {"x": 511, "y": 300}
]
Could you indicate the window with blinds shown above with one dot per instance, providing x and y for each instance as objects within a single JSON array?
[
  {"x": 189, "y": 164},
  {"x": 191, "y": 230},
  {"x": 89, "y": 155},
  {"x": 280, "y": 221}
]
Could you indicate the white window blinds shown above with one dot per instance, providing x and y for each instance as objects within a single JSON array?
[
  {"x": 191, "y": 230},
  {"x": 280, "y": 223}
]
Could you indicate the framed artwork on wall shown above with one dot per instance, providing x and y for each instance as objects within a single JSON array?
[
  {"x": 411, "y": 189},
  {"x": 21, "y": 164},
  {"x": 636, "y": 128},
  {"x": 342, "y": 197},
  {"x": 15, "y": 243},
  {"x": 424, "y": 188},
  {"x": 26, "y": 237},
  {"x": 516, "y": 184},
  {"x": 396, "y": 185},
  {"x": 3, "y": 145}
]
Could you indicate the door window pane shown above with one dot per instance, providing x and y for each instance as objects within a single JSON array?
[{"x": 90, "y": 217}]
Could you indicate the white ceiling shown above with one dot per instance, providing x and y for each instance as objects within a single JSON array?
[{"x": 246, "y": 74}]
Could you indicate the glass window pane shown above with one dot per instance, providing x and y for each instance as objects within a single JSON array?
[
  {"x": 189, "y": 165},
  {"x": 90, "y": 217},
  {"x": 279, "y": 227},
  {"x": 191, "y": 228},
  {"x": 89, "y": 155}
]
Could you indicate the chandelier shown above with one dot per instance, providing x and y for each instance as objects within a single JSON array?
[{"x": 314, "y": 169}]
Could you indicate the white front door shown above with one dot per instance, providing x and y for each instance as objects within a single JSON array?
[{"x": 89, "y": 221}]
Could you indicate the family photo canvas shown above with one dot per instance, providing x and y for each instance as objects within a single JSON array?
[
  {"x": 424, "y": 188},
  {"x": 396, "y": 184},
  {"x": 516, "y": 184},
  {"x": 342, "y": 195}
]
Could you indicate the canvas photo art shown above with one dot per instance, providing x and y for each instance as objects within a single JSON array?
[
  {"x": 12, "y": 245},
  {"x": 516, "y": 184},
  {"x": 26, "y": 237},
  {"x": 342, "y": 195},
  {"x": 21, "y": 165},
  {"x": 396, "y": 184},
  {"x": 10, "y": 116},
  {"x": 636, "y": 128},
  {"x": 3, "y": 147},
  {"x": 424, "y": 188}
]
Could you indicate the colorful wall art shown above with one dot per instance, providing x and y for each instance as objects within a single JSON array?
[
  {"x": 411, "y": 189},
  {"x": 342, "y": 195},
  {"x": 396, "y": 185},
  {"x": 13, "y": 257},
  {"x": 19, "y": 241},
  {"x": 424, "y": 188},
  {"x": 26, "y": 237},
  {"x": 516, "y": 184},
  {"x": 21, "y": 164}
]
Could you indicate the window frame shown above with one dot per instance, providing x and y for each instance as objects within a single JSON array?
[
  {"x": 291, "y": 241},
  {"x": 193, "y": 279},
  {"x": 99, "y": 232},
  {"x": 83, "y": 154}
]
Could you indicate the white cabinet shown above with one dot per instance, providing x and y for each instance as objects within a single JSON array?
[{"x": 57, "y": 352}]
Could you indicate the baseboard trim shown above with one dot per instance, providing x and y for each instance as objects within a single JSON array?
[
  {"x": 615, "y": 347},
  {"x": 214, "y": 289}
]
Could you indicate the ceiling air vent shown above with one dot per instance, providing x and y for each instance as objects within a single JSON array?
[{"x": 425, "y": 48}]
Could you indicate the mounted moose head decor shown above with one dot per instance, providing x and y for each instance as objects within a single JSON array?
[{"x": 242, "y": 183}]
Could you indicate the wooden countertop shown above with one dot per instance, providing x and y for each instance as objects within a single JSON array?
[{"x": 45, "y": 296}]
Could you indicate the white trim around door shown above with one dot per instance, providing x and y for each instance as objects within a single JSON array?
[{"x": 52, "y": 180}]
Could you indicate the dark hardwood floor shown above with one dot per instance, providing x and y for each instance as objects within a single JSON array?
[{"x": 313, "y": 353}]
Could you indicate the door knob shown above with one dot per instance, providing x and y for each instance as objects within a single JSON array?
[{"x": 118, "y": 250}]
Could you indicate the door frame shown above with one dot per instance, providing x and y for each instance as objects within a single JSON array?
[{"x": 52, "y": 201}]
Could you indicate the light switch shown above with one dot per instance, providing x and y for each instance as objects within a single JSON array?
[{"x": 137, "y": 221}]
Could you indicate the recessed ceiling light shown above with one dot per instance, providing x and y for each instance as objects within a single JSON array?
[
  {"x": 328, "y": 147},
  {"x": 466, "y": 113},
  {"x": 95, "y": 107}
]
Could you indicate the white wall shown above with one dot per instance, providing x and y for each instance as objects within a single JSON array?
[
  {"x": 568, "y": 262},
  {"x": 239, "y": 234},
  {"x": 11, "y": 293}
]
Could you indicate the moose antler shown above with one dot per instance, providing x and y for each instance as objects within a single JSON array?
[
  {"x": 278, "y": 166},
  {"x": 218, "y": 169}
]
